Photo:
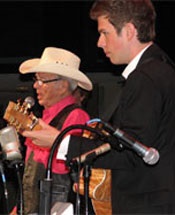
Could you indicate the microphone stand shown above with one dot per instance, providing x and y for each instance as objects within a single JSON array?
[
  {"x": 17, "y": 164},
  {"x": 46, "y": 189},
  {"x": 86, "y": 174},
  {"x": 21, "y": 206},
  {"x": 75, "y": 168},
  {"x": 4, "y": 186}
]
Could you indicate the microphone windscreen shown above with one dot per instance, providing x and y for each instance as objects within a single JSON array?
[
  {"x": 10, "y": 143},
  {"x": 29, "y": 101}
]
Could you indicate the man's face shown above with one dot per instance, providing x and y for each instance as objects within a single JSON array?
[
  {"x": 48, "y": 93},
  {"x": 114, "y": 45}
]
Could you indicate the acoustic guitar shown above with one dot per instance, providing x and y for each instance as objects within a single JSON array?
[{"x": 19, "y": 115}]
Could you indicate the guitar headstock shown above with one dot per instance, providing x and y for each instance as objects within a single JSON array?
[{"x": 19, "y": 116}]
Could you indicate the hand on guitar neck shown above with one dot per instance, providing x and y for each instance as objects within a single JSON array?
[{"x": 19, "y": 116}]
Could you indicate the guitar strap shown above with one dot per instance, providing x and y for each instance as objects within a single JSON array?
[{"x": 59, "y": 119}]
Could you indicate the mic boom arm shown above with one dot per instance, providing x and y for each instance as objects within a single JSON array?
[{"x": 150, "y": 155}]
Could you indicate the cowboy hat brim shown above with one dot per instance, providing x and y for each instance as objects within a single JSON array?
[{"x": 33, "y": 66}]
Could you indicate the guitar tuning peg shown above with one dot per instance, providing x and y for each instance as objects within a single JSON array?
[
  {"x": 11, "y": 120},
  {"x": 16, "y": 106},
  {"x": 24, "y": 109},
  {"x": 19, "y": 101},
  {"x": 26, "y": 105},
  {"x": 18, "y": 128},
  {"x": 17, "y": 125}
]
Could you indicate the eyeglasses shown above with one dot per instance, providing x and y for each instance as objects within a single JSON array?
[{"x": 41, "y": 82}]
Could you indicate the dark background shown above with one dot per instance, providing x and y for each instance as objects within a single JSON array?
[{"x": 27, "y": 27}]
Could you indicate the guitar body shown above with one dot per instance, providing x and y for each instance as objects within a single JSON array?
[
  {"x": 102, "y": 192},
  {"x": 99, "y": 190},
  {"x": 101, "y": 207}
]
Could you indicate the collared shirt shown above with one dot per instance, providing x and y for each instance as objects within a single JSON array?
[
  {"x": 77, "y": 116},
  {"x": 132, "y": 65}
]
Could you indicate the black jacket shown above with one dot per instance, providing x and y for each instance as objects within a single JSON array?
[{"x": 146, "y": 111}]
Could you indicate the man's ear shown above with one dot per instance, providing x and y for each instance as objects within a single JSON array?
[
  {"x": 130, "y": 30},
  {"x": 64, "y": 86}
]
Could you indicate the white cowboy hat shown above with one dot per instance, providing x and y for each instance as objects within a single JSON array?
[{"x": 58, "y": 61}]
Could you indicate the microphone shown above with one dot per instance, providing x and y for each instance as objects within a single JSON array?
[
  {"x": 148, "y": 154},
  {"x": 29, "y": 101},
  {"x": 10, "y": 144},
  {"x": 89, "y": 156}
]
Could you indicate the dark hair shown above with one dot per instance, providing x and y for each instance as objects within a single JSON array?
[
  {"x": 140, "y": 13},
  {"x": 83, "y": 95}
]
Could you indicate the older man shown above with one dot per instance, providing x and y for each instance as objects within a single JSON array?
[{"x": 57, "y": 75}]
